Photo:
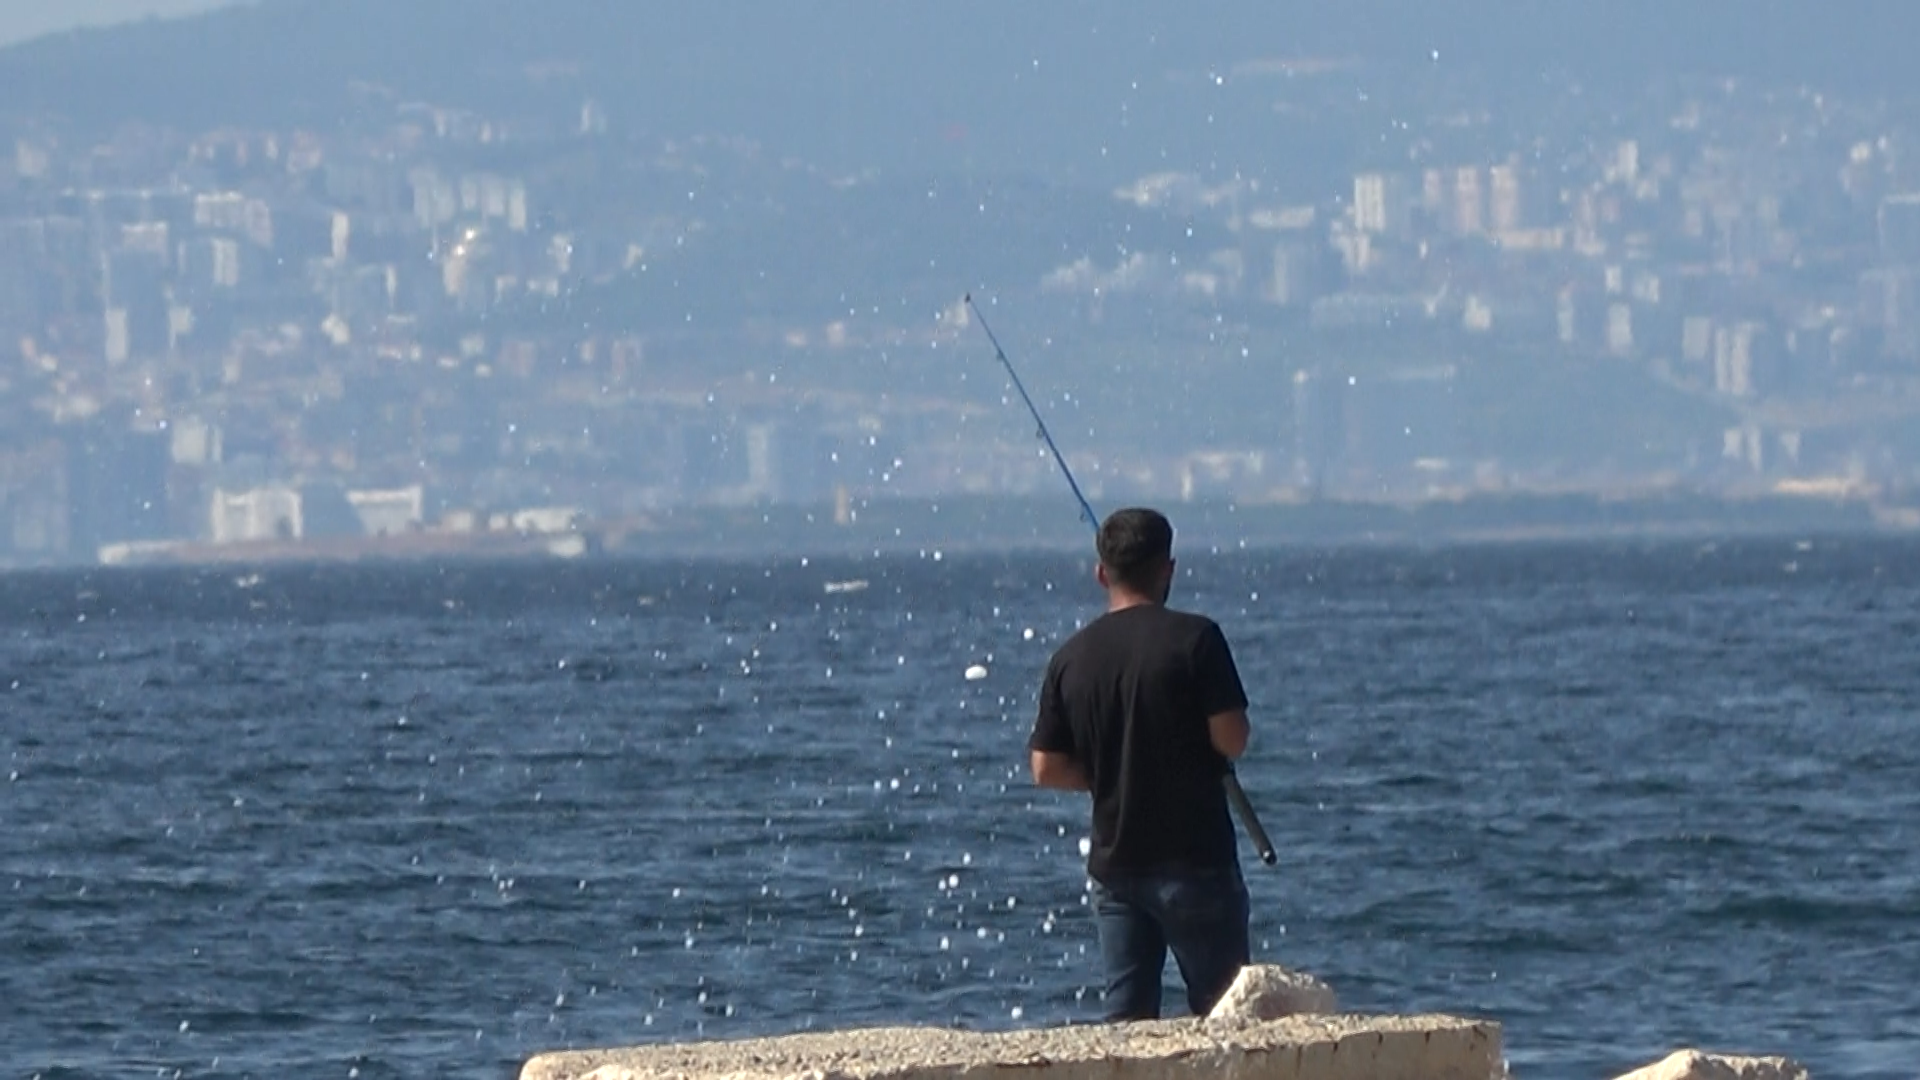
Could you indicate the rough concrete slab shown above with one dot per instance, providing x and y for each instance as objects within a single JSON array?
[{"x": 1292, "y": 1048}]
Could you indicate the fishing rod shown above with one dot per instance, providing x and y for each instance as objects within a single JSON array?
[{"x": 1236, "y": 795}]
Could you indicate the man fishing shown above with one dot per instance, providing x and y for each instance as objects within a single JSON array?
[{"x": 1144, "y": 709}]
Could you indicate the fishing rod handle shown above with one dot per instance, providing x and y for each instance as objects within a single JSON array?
[{"x": 1237, "y": 798}]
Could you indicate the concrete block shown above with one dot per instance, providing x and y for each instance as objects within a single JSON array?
[
  {"x": 1695, "y": 1065},
  {"x": 1293, "y": 1048}
]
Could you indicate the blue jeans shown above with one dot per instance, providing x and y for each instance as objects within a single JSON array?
[{"x": 1200, "y": 915}]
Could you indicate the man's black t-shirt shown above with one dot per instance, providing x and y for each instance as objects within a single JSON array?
[{"x": 1128, "y": 698}]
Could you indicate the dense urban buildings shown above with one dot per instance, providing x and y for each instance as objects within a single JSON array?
[{"x": 434, "y": 319}]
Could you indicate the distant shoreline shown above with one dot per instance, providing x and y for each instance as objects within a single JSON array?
[{"x": 972, "y": 524}]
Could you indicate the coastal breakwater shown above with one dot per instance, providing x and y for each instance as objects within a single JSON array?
[
  {"x": 1290, "y": 1048},
  {"x": 1272, "y": 1025}
]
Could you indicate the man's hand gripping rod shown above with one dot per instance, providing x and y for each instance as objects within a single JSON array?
[{"x": 1236, "y": 795}]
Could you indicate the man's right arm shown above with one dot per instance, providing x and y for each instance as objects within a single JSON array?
[
  {"x": 1052, "y": 754},
  {"x": 1229, "y": 732},
  {"x": 1058, "y": 771}
]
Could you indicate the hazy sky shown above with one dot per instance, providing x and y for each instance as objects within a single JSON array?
[{"x": 22, "y": 19}]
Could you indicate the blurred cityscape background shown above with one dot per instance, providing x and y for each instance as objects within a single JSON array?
[{"x": 343, "y": 277}]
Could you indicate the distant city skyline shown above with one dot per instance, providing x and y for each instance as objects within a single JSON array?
[
  {"x": 23, "y": 20},
  {"x": 487, "y": 276}
]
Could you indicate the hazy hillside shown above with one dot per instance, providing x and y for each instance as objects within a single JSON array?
[
  {"x": 1071, "y": 86},
  {"x": 843, "y": 170}
]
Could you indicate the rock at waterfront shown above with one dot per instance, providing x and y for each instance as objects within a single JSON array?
[
  {"x": 1695, "y": 1065},
  {"x": 1269, "y": 992}
]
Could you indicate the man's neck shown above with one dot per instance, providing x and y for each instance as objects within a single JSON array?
[{"x": 1122, "y": 599}]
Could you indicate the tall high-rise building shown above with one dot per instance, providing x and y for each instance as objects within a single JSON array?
[
  {"x": 1318, "y": 431},
  {"x": 1733, "y": 359},
  {"x": 1620, "y": 329},
  {"x": 1468, "y": 216},
  {"x": 339, "y": 235},
  {"x": 593, "y": 118},
  {"x": 209, "y": 263},
  {"x": 1296, "y": 276},
  {"x": 1380, "y": 203},
  {"x": 1433, "y": 193},
  {"x": 1625, "y": 167},
  {"x": 222, "y": 211},
  {"x": 1505, "y": 210}
]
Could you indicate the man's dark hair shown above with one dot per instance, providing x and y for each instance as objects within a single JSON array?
[{"x": 1133, "y": 544}]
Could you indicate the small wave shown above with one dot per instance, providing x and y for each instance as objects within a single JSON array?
[
  {"x": 1414, "y": 780},
  {"x": 1800, "y": 912},
  {"x": 1512, "y": 941}
]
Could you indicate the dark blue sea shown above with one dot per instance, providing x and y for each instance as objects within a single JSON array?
[{"x": 422, "y": 821}]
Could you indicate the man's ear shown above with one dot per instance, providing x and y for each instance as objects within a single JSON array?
[{"x": 1100, "y": 575}]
